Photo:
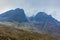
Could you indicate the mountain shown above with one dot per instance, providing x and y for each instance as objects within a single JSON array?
[
  {"x": 41, "y": 22},
  {"x": 46, "y": 23},
  {"x": 43, "y": 17},
  {"x": 16, "y": 15}
]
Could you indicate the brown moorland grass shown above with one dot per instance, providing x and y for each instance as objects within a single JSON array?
[{"x": 12, "y": 33}]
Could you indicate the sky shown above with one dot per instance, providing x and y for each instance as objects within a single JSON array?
[{"x": 32, "y": 7}]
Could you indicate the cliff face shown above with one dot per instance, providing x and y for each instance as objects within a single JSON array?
[
  {"x": 16, "y": 15},
  {"x": 45, "y": 22},
  {"x": 43, "y": 17}
]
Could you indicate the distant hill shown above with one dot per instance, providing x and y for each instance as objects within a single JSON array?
[
  {"x": 46, "y": 23},
  {"x": 16, "y": 15},
  {"x": 43, "y": 17}
]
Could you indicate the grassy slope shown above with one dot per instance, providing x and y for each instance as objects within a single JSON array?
[{"x": 11, "y": 33}]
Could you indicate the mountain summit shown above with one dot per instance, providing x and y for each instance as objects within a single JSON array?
[
  {"x": 43, "y": 17},
  {"x": 45, "y": 22},
  {"x": 16, "y": 15}
]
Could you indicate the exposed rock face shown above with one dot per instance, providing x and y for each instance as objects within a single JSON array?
[
  {"x": 43, "y": 17},
  {"x": 16, "y": 15},
  {"x": 45, "y": 22}
]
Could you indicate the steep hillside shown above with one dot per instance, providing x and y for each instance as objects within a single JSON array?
[
  {"x": 43, "y": 17},
  {"x": 46, "y": 23},
  {"x": 12, "y": 33},
  {"x": 14, "y": 25},
  {"x": 16, "y": 15}
]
